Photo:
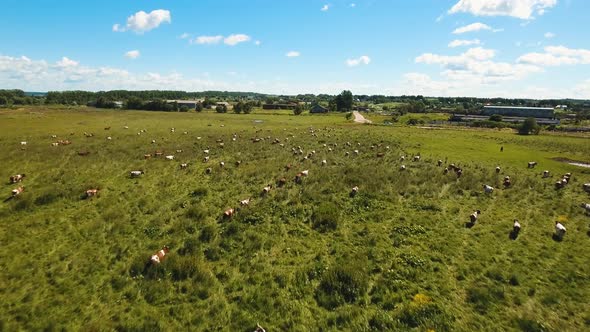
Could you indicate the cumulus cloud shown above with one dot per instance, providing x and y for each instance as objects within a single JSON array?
[
  {"x": 549, "y": 35},
  {"x": 132, "y": 54},
  {"x": 463, "y": 42},
  {"x": 557, "y": 56},
  {"x": 184, "y": 36},
  {"x": 141, "y": 21},
  {"x": 235, "y": 39},
  {"x": 477, "y": 65},
  {"x": 292, "y": 54},
  {"x": 472, "y": 28},
  {"x": 522, "y": 9},
  {"x": 325, "y": 8},
  {"x": 362, "y": 60},
  {"x": 208, "y": 39},
  {"x": 65, "y": 63}
]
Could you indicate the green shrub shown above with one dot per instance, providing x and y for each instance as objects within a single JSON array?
[
  {"x": 340, "y": 285},
  {"x": 326, "y": 217}
]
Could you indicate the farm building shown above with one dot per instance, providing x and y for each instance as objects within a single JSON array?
[
  {"x": 187, "y": 103},
  {"x": 318, "y": 109},
  {"x": 535, "y": 112},
  {"x": 279, "y": 106}
]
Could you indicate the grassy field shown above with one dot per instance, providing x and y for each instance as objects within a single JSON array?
[{"x": 306, "y": 257}]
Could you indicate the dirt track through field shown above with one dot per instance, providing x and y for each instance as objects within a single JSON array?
[{"x": 359, "y": 118}]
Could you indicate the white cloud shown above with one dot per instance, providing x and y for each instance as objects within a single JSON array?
[
  {"x": 257, "y": 43},
  {"x": 364, "y": 60},
  {"x": 352, "y": 5},
  {"x": 549, "y": 35},
  {"x": 132, "y": 54},
  {"x": 236, "y": 39},
  {"x": 141, "y": 21},
  {"x": 208, "y": 39},
  {"x": 463, "y": 42},
  {"x": 292, "y": 54},
  {"x": 325, "y": 8},
  {"x": 557, "y": 56},
  {"x": 65, "y": 62},
  {"x": 472, "y": 28},
  {"x": 476, "y": 66},
  {"x": 184, "y": 36},
  {"x": 523, "y": 9}
]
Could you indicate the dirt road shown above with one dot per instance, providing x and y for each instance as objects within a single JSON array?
[{"x": 359, "y": 118}]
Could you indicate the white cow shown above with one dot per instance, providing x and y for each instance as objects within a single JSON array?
[{"x": 488, "y": 189}]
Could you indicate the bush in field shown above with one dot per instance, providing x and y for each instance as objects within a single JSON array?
[
  {"x": 341, "y": 285},
  {"x": 325, "y": 217},
  {"x": 529, "y": 126},
  {"x": 422, "y": 311}
]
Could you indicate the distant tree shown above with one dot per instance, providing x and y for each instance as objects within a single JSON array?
[
  {"x": 199, "y": 107},
  {"x": 3, "y": 100},
  {"x": 239, "y": 107},
  {"x": 221, "y": 109},
  {"x": 529, "y": 126},
  {"x": 247, "y": 108},
  {"x": 496, "y": 117},
  {"x": 134, "y": 103},
  {"x": 183, "y": 108},
  {"x": 344, "y": 101},
  {"x": 298, "y": 109}
]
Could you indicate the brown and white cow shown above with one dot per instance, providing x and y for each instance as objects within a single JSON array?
[
  {"x": 160, "y": 255},
  {"x": 18, "y": 191},
  {"x": 228, "y": 213},
  {"x": 17, "y": 178},
  {"x": 91, "y": 193}
]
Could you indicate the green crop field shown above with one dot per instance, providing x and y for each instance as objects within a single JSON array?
[{"x": 305, "y": 257}]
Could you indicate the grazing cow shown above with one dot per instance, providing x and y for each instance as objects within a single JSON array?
[
  {"x": 107, "y": 128},
  {"x": 452, "y": 167},
  {"x": 185, "y": 133},
  {"x": 23, "y": 143},
  {"x": 586, "y": 206},
  {"x": 153, "y": 141},
  {"x": 147, "y": 156},
  {"x": 347, "y": 153},
  {"x": 53, "y": 136},
  {"x": 281, "y": 182},
  {"x": 354, "y": 191},
  {"x": 183, "y": 166},
  {"x": 532, "y": 164},
  {"x": 178, "y": 151},
  {"x": 208, "y": 170},
  {"x": 507, "y": 181},
  {"x": 305, "y": 173},
  {"x": 473, "y": 217},
  {"x": 586, "y": 187},
  {"x": 135, "y": 174},
  {"x": 159, "y": 256},
  {"x": 206, "y": 159},
  {"x": 459, "y": 172},
  {"x": 356, "y": 151},
  {"x": 109, "y": 138},
  {"x": 83, "y": 153},
  {"x": 221, "y": 145},
  {"x": 91, "y": 193},
  {"x": 172, "y": 130},
  {"x": 288, "y": 167},
  {"x": 416, "y": 158},
  {"x": 402, "y": 158},
  {"x": 170, "y": 157},
  {"x": 559, "y": 230},
  {"x": 228, "y": 213},
  {"x": 126, "y": 127},
  {"x": 516, "y": 227},
  {"x": 158, "y": 153},
  {"x": 17, "y": 178},
  {"x": 299, "y": 178},
  {"x": 238, "y": 163},
  {"x": 488, "y": 189},
  {"x": 545, "y": 174},
  {"x": 501, "y": 149},
  {"x": 245, "y": 202},
  {"x": 387, "y": 147},
  {"x": 64, "y": 142},
  {"x": 18, "y": 191},
  {"x": 559, "y": 184},
  {"x": 221, "y": 164},
  {"x": 402, "y": 168},
  {"x": 380, "y": 155},
  {"x": 498, "y": 169},
  {"x": 324, "y": 162},
  {"x": 446, "y": 171},
  {"x": 54, "y": 144},
  {"x": 266, "y": 189},
  {"x": 439, "y": 163},
  {"x": 206, "y": 151}
]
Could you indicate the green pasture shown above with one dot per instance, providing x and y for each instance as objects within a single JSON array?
[{"x": 306, "y": 257}]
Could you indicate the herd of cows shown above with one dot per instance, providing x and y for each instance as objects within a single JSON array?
[{"x": 298, "y": 151}]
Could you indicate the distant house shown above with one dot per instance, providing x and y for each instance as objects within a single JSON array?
[
  {"x": 279, "y": 106},
  {"x": 187, "y": 103},
  {"x": 535, "y": 112},
  {"x": 318, "y": 109},
  {"x": 227, "y": 105}
]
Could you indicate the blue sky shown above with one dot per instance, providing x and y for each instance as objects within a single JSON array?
[{"x": 484, "y": 48}]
